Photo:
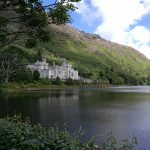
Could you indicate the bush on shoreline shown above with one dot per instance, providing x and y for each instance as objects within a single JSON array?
[
  {"x": 17, "y": 134},
  {"x": 43, "y": 83}
]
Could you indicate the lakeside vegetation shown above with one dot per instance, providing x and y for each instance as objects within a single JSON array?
[
  {"x": 32, "y": 84},
  {"x": 18, "y": 134}
]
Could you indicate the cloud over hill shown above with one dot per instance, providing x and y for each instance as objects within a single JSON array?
[{"x": 120, "y": 21}]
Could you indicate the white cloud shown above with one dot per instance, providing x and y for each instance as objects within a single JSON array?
[
  {"x": 88, "y": 13},
  {"x": 117, "y": 18},
  {"x": 140, "y": 34},
  {"x": 139, "y": 38}
]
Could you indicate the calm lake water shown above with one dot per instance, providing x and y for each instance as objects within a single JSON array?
[{"x": 124, "y": 110}]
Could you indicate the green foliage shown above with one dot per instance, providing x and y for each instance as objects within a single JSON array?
[
  {"x": 39, "y": 55},
  {"x": 148, "y": 79},
  {"x": 111, "y": 143},
  {"x": 61, "y": 11},
  {"x": 18, "y": 134},
  {"x": 69, "y": 81},
  {"x": 45, "y": 81},
  {"x": 1, "y": 74},
  {"x": 56, "y": 81},
  {"x": 30, "y": 17},
  {"x": 12, "y": 61},
  {"x": 23, "y": 76},
  {"x": 30, "y": 43},
  {"x": 36, "y": 75}
]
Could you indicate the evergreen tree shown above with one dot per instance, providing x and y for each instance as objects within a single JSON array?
[{"x": 36, "y": 75}]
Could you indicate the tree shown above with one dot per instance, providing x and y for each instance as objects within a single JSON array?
[
  {"x": 1, "y": 75},
  {"x": 57, "y": 81},
  {"x": 36, "y": 75},
  {"x": 30, "y": 17},
  {"x": 148, "y": 79},
  {"x": 69, "y": 81},
  {"x": 23, "y": 76},
  {"x": 12, "y": 60}
]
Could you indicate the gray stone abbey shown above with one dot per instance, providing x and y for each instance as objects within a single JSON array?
[{"x": 64, "y": 71}]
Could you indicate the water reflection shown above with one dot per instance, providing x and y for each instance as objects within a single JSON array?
[
  {"x": 124, "y": 110},
  {"x": 59, "y": 109}
]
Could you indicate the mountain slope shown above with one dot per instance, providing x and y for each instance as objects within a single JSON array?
[{"x": 95, "y": 57}]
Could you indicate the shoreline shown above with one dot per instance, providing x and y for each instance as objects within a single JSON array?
[
  {"x": 34, "y": 87},
  {"x": 37, "y": 87}
]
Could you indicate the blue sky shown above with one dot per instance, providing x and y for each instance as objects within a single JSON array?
[
  {"x": 79, "y": 23},
  {"x": 123, "y": 21}
]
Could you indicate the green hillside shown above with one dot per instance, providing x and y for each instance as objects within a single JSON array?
[{"x": 94, "y": 57}]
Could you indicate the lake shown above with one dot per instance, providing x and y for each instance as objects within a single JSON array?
[{"x": 124, "y": 110}]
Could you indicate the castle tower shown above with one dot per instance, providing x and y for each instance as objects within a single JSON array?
[
  {"x": 64, "y": 62},
  {"x": 44, "y": 60},
  {"x": 53, "y": 63}
]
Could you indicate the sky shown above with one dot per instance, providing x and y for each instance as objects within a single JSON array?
[{"x": 122, "y": 21}]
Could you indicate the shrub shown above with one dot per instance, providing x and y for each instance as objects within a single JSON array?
[
  {"x": 24, "y": 76},
  {"x": 1, "y": 75},
  {"x": 45, "y": 81},
  {"x": 20, "y": 135},
  {"x": 16, "y": 134},
  {"x": 111, "y": 143},
  {"x": 56, "y": 81},
  {"x": 69, "y": 81},
  {"x": 36, "y": 75}
]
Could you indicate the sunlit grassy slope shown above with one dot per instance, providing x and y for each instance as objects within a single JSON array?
[{"x": 95, "y": 57}]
